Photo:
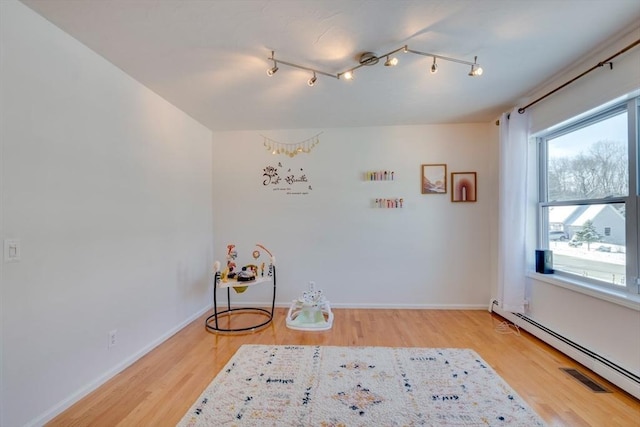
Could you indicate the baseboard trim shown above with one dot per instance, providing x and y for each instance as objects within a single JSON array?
[
  {"x": 412, "y": 306},
  {"x": 84, "y": 391},
  {"x": 587, "y": 358},
  {"x": 384, "y": 306},
  {"x": 363, "y": 306}
]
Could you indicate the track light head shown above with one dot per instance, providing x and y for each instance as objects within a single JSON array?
[
  {"x": 348, "y": 75},
  {"x": 312, "y": 80},
  {"x": 391, "y": 62},
  {"x": 476, "y": 69},
  {"x": 434, "y": 66},
  {"x": 272, "y": 71}
]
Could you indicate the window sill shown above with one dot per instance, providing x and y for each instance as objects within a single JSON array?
[{"x": 611, "y": 295}]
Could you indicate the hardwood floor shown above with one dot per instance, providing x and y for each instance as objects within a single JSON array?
[{"x": 159, "y": 388}]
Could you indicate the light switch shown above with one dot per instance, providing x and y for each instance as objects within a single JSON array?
[{"x": 11, "y": 250}]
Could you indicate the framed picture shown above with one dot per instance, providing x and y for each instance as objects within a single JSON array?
[
  {"x": 434, "y": 179},
  {"x": 463, "y": 187}
]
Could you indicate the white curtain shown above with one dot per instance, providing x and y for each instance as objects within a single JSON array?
[{"x": 514, "y": 136}]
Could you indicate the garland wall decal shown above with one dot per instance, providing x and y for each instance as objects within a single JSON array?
[{"x": 291, "y": 149}]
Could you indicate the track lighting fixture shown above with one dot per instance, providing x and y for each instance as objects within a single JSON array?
[
  {"x": 369, "y": 59},
  {"x": 312, "y": 80},
  {"x": 434, "y": 66}
]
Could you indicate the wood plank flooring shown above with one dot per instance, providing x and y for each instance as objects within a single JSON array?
[{"x": 159, "y": 388}]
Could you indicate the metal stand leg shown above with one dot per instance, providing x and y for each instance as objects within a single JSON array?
[{"x": 215, "y": 327}]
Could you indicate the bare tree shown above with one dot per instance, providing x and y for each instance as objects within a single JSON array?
[
  {"x": 559, "y": 179},
  {"x": 612, "y": 177},
  {"x": 600, "y": 173}
]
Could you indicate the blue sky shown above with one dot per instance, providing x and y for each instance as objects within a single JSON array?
[{"x": 572, "y": 144}]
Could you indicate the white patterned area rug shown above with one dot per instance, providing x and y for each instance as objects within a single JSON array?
[{"x": 358, "y": 386}]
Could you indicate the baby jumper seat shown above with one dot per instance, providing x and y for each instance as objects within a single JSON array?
[{"x": 311, "y": 312}]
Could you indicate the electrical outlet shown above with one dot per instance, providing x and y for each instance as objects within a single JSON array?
[
  {"x": 112, "y": 338},
  {"x": 12, "y": 250}
]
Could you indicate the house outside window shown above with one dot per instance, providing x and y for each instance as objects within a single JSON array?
[{"x": 588, "y": 189}]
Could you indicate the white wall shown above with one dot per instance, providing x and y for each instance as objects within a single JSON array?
[
  {"x": 430, "y": 253},
  {"x": 602, "y": 85},
  {"x": 108, "y": 187},
  {"x": 602, "y": 326}
]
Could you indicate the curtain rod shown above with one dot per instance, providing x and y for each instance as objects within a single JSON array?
[{"x": 598, "y": 65}]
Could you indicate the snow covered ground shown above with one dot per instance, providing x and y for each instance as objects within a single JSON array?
[{"x": 616, "y": 256}]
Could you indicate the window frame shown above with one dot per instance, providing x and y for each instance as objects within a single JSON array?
[{"x": 631, "y": 201}]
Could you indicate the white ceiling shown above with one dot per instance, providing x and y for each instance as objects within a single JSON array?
[{"x": 209, "y": 57}]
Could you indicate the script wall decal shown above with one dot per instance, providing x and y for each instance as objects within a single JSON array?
[{"x": 290, "y": 181}]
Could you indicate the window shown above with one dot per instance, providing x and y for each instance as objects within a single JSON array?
[{"x": 588, "y": 189}]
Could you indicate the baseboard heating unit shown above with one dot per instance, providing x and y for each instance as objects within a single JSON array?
[{"x": 623, "y": 378}]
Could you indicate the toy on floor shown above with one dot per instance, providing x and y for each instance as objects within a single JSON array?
[{"x": 311, "y": 312}]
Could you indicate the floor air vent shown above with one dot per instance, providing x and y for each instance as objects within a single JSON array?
[{"x": 593, "y": 386}]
